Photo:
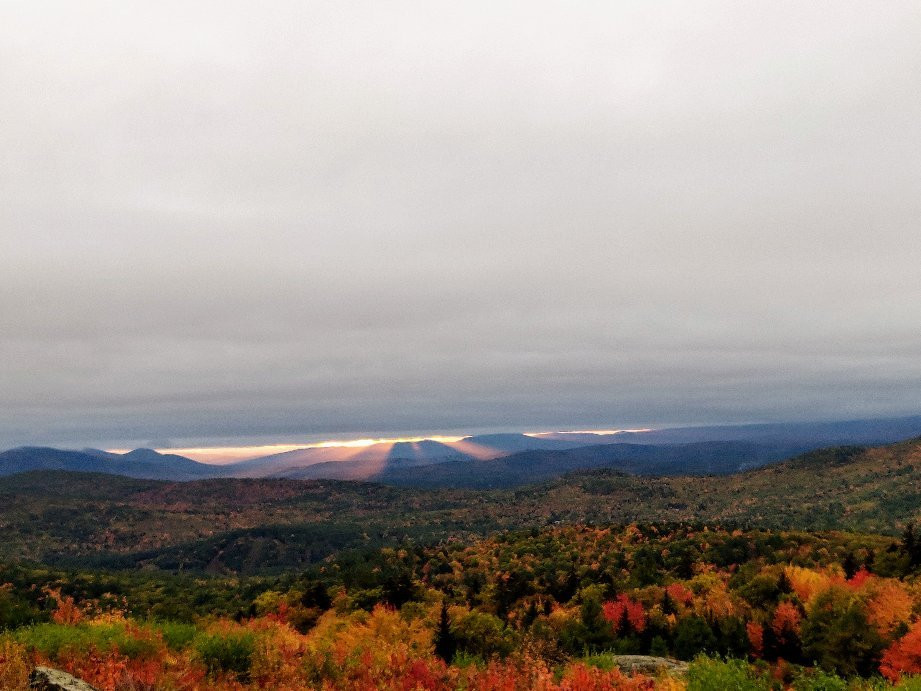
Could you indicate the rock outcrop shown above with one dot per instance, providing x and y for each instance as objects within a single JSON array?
[
  {"x": 648, "y": 665},
  {"x": 47, "y": 679}
]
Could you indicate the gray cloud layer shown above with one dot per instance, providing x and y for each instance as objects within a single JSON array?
[{"x": 247, "y": 219}]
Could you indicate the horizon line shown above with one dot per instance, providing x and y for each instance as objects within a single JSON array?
[{"x": 224, "y": 455}]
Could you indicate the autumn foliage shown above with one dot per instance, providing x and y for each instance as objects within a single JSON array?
[
  {"x": 904, "y": 655},
  {"x": 547, "y": 610},
  {"x": 625, "y": 614}
]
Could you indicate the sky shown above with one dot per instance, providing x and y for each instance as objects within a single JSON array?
[{"x": 229, "y": 223}]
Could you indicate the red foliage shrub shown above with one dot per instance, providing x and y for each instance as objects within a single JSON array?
[
  {"x": 66, "y": 611},
  {"x": 107, "y": 672},
  {"x": 584, "y": 678},
  {"x": 859, "y": 578}
]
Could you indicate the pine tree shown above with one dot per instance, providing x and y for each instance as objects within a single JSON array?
[
  {"x": 908, "y": 540},
  {"x": 849, "y": 565},
  {"x": 531, "y": 614},
  {"x": 445, "y": 643}
]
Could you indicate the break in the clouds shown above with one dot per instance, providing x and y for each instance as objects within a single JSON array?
[{"x": 226, "y": 219}]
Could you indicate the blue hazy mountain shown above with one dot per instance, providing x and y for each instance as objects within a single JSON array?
[
  {"x": 140, "y": 463},
  {"x": 871, "y": 432},
  {"x": 700, "y": 458},
  {"x": 523, "y": 457}
]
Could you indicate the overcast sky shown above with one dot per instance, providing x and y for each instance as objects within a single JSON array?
[{"x": 222, "y": 222}]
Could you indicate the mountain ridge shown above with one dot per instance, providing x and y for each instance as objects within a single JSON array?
[
  {"x": 407, "y": 463},
  {"x": 140, "y": 463},
  {"x": 525, "y": 467},
  {"x": 251, "y": 524}
]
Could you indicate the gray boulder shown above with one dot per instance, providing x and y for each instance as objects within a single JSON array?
[
  {"x": 649, "y": 665},
  {"x": 47, "y": 679}
]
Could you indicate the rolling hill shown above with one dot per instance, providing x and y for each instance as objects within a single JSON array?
[
  {"x": 796, "y": 436},
  {"x": 246, "y": 525},
  {"x": 392, "y": 462},
  {"x": 140, "y": 463},
  {"x": 535, "y": 466},
  {"x": 470, "y": 462},
  {"x": 532, "y": 458}
]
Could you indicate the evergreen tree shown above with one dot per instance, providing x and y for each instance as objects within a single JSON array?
[
  {"x": 668, "y": 607},
  {"x": 693, "y": 636},
  {"x": 530, "y": 614},
  {"x": 849, "y": 565},
  {"x": 445, "y": 642},
  {"x": 910, "y": 544}
]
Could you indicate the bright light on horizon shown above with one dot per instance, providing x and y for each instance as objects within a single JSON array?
[
  {"x": 231, "y": 454},
  {"x": 219, "y": 455},
  {"x": 394, "y": 440},
  {"x": 599, "y": 432}
]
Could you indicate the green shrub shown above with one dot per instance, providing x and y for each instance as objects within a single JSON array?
[
  {"x": 709, "y": 674},
  {"x": 658, "y": 647},
  {"x": 16, "y": 612},
  {"x": 51, "y": 640},
  {"x": 135, "y": 647},
  {"x": 177, "y": 635},
  {"x": 603, "y": 661},
  {"x": 819, "y": 680},
  {"x": 227, "y": 651},
  {"x": 464, "y": 659}
]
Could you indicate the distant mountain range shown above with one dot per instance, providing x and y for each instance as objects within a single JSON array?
[
  {"x": 700, "y": 458},
  {"x": 140, "y": 463},
  {"x": 495, "y": 460},
  {"x": 795, "y": 434},
  {"x": 252, "y": 525},
  {"x": 365, "y": 461}
]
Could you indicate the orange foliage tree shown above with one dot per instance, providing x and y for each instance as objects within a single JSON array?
[
  {"x": 903, "y": 656},
  {"x": 755, "y": 633},
  {"x": 786, "y": 622}
]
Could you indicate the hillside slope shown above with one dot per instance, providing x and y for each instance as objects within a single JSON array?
[
  {"x": 140, "y": 463},
  {"x": 536, "y": 466},
  {"x": 240, "y": 525}
]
